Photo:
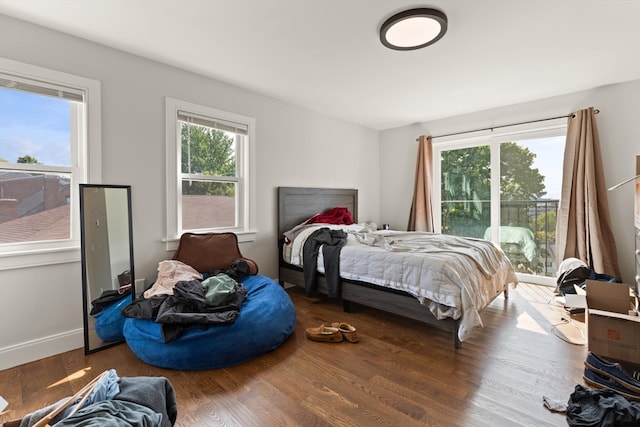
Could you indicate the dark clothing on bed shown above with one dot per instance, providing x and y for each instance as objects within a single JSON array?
[{"x": 332, "y": 242}]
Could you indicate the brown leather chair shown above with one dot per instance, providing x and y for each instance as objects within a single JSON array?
[{"x": 211, "y": 251}]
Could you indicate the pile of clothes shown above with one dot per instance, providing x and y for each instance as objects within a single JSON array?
[
  {"x": 109, "y": 400},
  {"x": 573, "y": 273},
  {"x": 182, "y": 297}
]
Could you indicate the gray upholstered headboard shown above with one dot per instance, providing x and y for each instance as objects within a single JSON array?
[{"x": 296, "y": 204}]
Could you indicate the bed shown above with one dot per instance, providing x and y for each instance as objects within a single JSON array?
[{"x": 446, "y": 285}]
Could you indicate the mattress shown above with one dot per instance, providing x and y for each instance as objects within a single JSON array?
[{"x": 454, "y": 276}]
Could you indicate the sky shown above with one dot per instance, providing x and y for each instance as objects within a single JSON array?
[
  {"x": 35, "y": 125},
  {"x": 549, "y": 154}
]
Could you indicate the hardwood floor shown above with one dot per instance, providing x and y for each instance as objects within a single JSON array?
[{"x": 400, "y": 373}]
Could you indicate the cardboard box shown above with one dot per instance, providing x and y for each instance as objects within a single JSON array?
[{"x": 612, "y": 332}]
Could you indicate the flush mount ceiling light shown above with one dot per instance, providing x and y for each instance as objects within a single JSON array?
[{"x": 413, "y": 29}]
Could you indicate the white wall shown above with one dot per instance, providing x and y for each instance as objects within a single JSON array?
[
  {"x": 619, "y": 130},
  {"x": 40, "y": 310}
]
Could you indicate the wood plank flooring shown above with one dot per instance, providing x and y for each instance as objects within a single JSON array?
[{"x": 401, "y": 372}]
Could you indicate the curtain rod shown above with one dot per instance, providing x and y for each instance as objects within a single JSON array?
[{"x": 504, "y": 126}]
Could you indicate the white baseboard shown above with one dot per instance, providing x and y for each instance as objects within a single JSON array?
[{"x": 30, "y": 351}]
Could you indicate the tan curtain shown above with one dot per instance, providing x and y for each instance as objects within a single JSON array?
[
  {"x": 421, "y": 216},
  {"x": 583, "y": 229}
]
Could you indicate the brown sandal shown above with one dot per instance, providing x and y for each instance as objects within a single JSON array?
[
  {"x": 324, "y": 333},
  {"x": 349, "y": 332}
]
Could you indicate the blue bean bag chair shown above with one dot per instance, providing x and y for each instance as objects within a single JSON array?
[
  {"x": 267, "y": 318},
  {"x": 110, "y": 321}
]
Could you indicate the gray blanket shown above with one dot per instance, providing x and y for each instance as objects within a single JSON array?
[{"x": 155, "y": 394}]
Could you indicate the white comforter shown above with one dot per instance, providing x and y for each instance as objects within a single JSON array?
[{"x": 454, "y": 276}]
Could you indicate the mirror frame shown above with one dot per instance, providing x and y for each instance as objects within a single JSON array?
[{"x": 86, "y": 295}]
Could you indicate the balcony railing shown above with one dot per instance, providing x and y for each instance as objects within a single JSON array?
[{"x": 527, "y": 229}]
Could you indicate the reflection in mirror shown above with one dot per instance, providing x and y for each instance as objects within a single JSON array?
[{"x": 107, "y": 262}]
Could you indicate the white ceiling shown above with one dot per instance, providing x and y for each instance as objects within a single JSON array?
[{"x": 325, "y": 55}]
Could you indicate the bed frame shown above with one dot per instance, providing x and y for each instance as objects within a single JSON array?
[{"x": 295, "y": 205}]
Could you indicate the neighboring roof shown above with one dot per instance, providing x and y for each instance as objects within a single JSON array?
[
  {"x": 207, "y": 210},
  {"x": 11, "y": 175},
  {"x": 54, "y": 223},
  {"x": 51, "y": 224}
]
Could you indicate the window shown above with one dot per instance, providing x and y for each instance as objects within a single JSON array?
[
  {"x": 504, "y": 188},
  {"x": 44, "y": 134},
  {"x": 208, "y": 184}
]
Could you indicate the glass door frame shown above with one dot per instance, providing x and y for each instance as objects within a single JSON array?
[{"x": 493, "y": 139}]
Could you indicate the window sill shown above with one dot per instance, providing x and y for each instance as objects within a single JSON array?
[{"x": 35, "y": 258}]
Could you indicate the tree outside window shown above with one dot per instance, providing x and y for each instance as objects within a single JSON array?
[
  {"x": 527, "y": 216},
  {"x": 209, "y": 175}
]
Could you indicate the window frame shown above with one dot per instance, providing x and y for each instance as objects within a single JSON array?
[
  {"x": 244, "y": 165},
  {"x": 493, "y": 139},
  {"x": 85, "y": 165}
]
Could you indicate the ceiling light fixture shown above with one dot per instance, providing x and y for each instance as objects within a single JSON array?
[{"x": 413, "y": 29}]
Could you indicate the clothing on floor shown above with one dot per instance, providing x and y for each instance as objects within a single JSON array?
[
  {"x": 155, "y": 393},
  {"x": 113, "y": 413},
  {"x": 105, "y": 389},
  {"x": 589, "y": 407},
  {"x": 114, "y": 401},
  {"x": 554, "y": 404}
]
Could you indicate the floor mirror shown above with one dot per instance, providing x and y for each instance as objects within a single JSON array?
[{"x": 107, "y": 262}]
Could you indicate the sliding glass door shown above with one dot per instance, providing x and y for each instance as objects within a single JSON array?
[
  {"x": 465, "y": 191},
  {"x": 504, "y": 189}
]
